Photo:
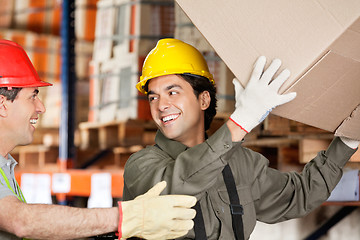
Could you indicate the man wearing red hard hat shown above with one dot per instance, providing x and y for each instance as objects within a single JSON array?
[{"x": 149, "y": 216}]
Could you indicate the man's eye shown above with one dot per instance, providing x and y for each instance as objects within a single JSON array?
[
  {"x": 152, "y": 98},
  {"x": 172, "y": 93}
]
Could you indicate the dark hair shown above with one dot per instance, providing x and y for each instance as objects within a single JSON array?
[
  {"x": 201, "y": 84},
  {"x": 9, "y": 94}
]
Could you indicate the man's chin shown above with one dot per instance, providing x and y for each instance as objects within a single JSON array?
[
  {"x": 168, "y": 134},
  {"x": 27, "y": 141}
]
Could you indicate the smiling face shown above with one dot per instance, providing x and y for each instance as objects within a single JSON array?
[
  {"x": 18, "y": 118},
  {"x": 176, "y": 110}
]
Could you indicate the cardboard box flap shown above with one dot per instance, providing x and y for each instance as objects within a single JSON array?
[
  {"x": 240, "y": 30},
  {"x": 326, "y": 95},
  {"x": 343, "y": 12},
  {"x": 348, "y": 44},
  {"x": 351, "y": 124},
  {"x": 318, "y": 40}
]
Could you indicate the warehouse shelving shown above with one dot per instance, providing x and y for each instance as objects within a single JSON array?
[{"x": 81, "y": 181}]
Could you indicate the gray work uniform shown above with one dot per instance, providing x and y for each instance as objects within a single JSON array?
[
  {"x": 7, "y": 165},
  {"x": 266, "y": 194}
]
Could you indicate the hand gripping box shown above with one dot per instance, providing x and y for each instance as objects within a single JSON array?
[{"x": 317, "y": 40}]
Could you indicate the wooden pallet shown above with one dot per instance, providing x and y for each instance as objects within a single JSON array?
[
  {"x": 278, "y": 126},
  {"x": 46, "y": 136},
  {"x": 291, "y": 153},
  {"x": 150, "y": 129},
  {"x": 282, "y": 153},
  {"x": 110, "y": 135},
  {"x": 309, "y": 147},
  {"x": 45, "y": 158},
  {"x": 114, "y": 158},
  {"x": 39, "y": 157}
]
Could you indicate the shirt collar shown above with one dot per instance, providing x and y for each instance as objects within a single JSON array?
[
  {"x": 171, "y": 147},
  {"x": 4, "y": 161}
]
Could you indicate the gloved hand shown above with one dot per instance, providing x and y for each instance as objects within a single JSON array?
[
  {"x": 350, "y": 142},
  {"x": 260, "y": 96},
  {"x": 151, "y": 216}
]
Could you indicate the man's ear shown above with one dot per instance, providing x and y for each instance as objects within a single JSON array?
[
  {"x": 3, "y": 106},
  {"x": 205, "y": 100}
]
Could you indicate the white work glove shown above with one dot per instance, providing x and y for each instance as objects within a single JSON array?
[
  {"x": 260, "y": 96},
  {"x": 151, "y": 216},
  {"x": 350, "y": 142}
]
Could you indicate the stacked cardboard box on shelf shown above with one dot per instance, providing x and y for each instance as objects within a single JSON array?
[
  {"x": 85, "y": 19},
  {"x": 187, "y": 32},
  {"x": 125, "y": 32},
  {"x": 6, "y": 13},
  {"x": 83, "y": 55},
  {"x": 44, "y": 16},
  {"x": 117, "y": 84},
  {"x": 41, "y": 16}
]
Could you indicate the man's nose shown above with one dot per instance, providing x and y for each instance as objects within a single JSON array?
[
  {"x": 163, "y": 103},
  {"x": 40, "y": 108}
]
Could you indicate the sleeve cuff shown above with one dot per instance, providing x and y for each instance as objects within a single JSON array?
[
  {"x": 354, "y": 144},
  {"x": 338, "y": 152},
  {"x": 120, "y": 219}
]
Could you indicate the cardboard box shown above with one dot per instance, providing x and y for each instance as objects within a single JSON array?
[
  {"x": 83, "y": 55},
  {"x": 118, "y": 96},
  {"x": 6, "y": 13},
  {"x": 141, "y": 24},
  {"x": 85, "y": 19},
  {"x": 318, "y": 40},
  {"x": 104, "y": 30},
  {"x": 187, "y": 32},
  {"x": 40, "y": 16},
  {"x": 94, "y": 91}
]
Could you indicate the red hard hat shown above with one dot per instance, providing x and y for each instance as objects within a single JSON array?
[{"x": 16, "y": 69}]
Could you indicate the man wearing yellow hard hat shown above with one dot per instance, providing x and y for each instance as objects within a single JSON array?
[
  {"x": 234, "y": 186},
  {"x": 149, "y": 216}
]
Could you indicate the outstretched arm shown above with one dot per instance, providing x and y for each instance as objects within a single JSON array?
[
  {"x": 149, "y": 216},
  {"x": 41, "y": 221},
  {"x": 292, "y": 194}
]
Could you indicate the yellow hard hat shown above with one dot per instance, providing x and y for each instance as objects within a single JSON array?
[{"x": 172, "y": 56}]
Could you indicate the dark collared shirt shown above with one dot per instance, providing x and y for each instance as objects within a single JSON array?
[{"x": 266, "y": 194}]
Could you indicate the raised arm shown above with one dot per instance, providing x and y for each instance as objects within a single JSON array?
[{"x": 291, "y": 195}]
